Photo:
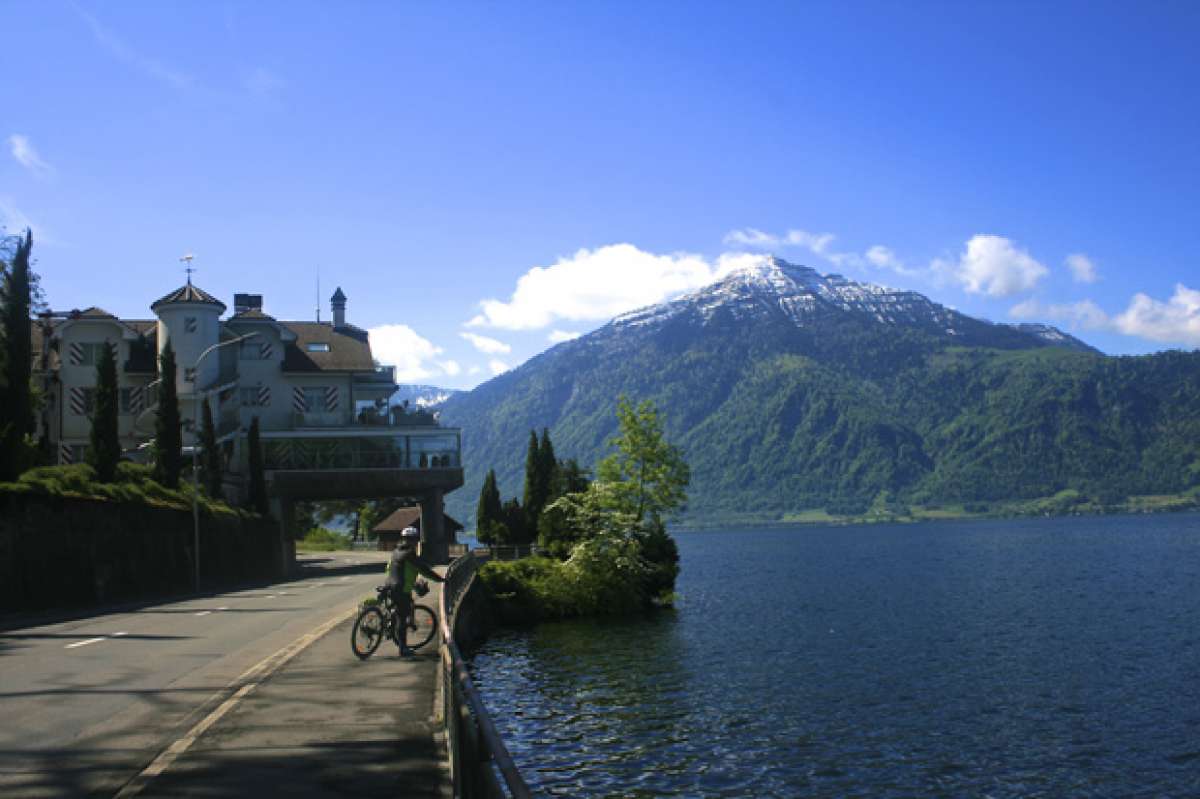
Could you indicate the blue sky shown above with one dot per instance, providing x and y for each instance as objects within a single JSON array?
[{"x": 485, "y": 179}]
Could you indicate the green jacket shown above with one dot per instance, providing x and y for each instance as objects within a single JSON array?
[{"x": 404, "y": 567}]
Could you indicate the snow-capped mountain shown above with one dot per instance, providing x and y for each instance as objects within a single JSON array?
[
  {"x": 774, "y": 287},
  {"x": 420, "y": 396}
]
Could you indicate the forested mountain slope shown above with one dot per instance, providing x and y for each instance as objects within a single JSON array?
[{"x": 791, "y": 391}]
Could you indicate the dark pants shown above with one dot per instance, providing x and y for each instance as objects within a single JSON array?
[{"x": 403, "y": 602}]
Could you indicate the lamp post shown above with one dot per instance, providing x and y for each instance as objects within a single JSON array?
[{"x": 195, "y": 446}]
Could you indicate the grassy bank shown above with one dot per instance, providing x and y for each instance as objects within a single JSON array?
[{"x": 1065, "y": 503}]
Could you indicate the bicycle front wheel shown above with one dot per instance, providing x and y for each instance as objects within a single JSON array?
[
  {"x": 421, "y": 627},
  {"x": 368, "y": 632}
]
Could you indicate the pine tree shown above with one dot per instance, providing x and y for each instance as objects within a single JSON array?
[
  {"x": 210, "y": 453},
  {"x": 16, "y": 397},
  {"x": 168, "y": 435},
  {"x": 258, "y": 478},
  {"x": 531, "y": 467},
  {"x": 487, "y": 512},
  {"x": 104, "y": 450},
  {"x": 547, "y": 466}
]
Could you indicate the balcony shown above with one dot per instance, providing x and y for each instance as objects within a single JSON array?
[{"x": 436, "y": 449}]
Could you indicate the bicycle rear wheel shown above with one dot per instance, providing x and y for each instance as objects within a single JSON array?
[
  {"x": 421, "y": 627},
  {"x": 368, "y": 632}
]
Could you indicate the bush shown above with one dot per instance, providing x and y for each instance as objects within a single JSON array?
[
  {"x": 134, "y": 484},
  {"x": 605, "y": 575},
  {"x": 321, "y": 539}
]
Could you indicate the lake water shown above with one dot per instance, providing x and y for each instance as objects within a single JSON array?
[{"x": 1050, "y": 657}]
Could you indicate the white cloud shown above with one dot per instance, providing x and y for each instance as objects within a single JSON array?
[
  {"x": 1175, "y": 321},
  {"x": 1082, "y": 268},
  {"x": 22, "y": 150},
  {"x": 497, "y": 366},
  {"x": 402, "y": 347},
  {"x": 993, "y": 265},
  {"x": 594, "y": 285},
  {"x": 122, "y": 52},
  {"x": 451, "y": 368},
  {"x": 559, "y": 336},
  {"x": 488, "y": 346},
  {"x": 475, "y": 369},
  {"x": 1085, "y": 313},
  {"x": 818, "y": 243}
]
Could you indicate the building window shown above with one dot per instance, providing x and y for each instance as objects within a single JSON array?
[
  {"x": 82, "y": 401},
  {"x": 254, "y": 350},
  {"x": 86, "y": 353},
  {"x": 190, "y": 324},
  {"x": 314, "y": 399},
  {"x": 317, "y": 346},
  {"x": 189, "y": 375},
  {"x": 255, "y": 397},
  {"x": 129, "y": 398}
]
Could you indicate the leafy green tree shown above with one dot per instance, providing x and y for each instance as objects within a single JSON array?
[
  {"x": 258, "y": 478},
  {"x": 16, "y": 398},
  {"x": 487, "y": 513},
  {"x": 104, "y": 449},
  {"x": 648, "y": 476},
  {"x": 210, "y": 452},
  {"x": 569, "y": 478},
  {"x": 168, "y": 435}
]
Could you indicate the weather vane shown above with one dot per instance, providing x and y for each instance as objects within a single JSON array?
[{"x": 187, "y": 260}]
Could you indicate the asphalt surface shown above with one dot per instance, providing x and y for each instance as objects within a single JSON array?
[{"x": 87, "y": 704}]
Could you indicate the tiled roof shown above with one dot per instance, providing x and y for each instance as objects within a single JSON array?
[
  {"x": 93, "y": 313},
  {"x": 253, "y": 313},
  {"x": 410, "y": 517},
  {"x": 188, "y": 293},
  {"x": 348, "y": 348}
]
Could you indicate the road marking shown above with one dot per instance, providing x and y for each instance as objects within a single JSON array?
[
  {"x": 204, "y": 613},
  {"x": 249, "y": 680},
  {"x": 270, "y": 596},
  {"x": 223, "y": 607},
  {"x": 94, "y": 640},
  {"x": 85, "y": 643}
]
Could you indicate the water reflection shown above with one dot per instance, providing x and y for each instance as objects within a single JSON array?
[{"x": 1051, "y": 657}]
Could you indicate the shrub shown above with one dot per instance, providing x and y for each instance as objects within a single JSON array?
[{"x": 321, "y": 539}]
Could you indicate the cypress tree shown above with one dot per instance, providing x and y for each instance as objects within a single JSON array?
[
  {"x": 258, "y": 478},
  {"x": 104, "y": 450},
  {"x": 211, "y": 454},
  {"x": 168, "y": 435},
  {"x": 16, "y": 398},
  {"x": 547, "y": 466},
  {"x": 531, "y": 467},
  {"x": 487, "y": 512}
]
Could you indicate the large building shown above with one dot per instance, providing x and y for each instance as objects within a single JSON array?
[{"x": 320, "y": 399}]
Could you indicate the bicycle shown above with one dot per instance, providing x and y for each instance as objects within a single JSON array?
[{"x": 378, "y": 619}]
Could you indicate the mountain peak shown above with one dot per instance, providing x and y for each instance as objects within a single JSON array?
[{"x": 767, "y": 286}]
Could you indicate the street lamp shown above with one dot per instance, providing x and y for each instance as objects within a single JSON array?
[{"x": 195, "y": 446}]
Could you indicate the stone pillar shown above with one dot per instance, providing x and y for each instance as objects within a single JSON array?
[
  {"x": 284, "y": 510},
  {"x": 434, "y": 546}
]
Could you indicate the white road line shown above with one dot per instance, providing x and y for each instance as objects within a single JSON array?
[
  {"x": 94, "y": 640},
  {"x": 204, "y": 613},
  {"x": 223, "y": 607},
  {"x": 85, "y": 643},
  {"x": 250, "y": 680},
  {"x": 270, "y": 596}
]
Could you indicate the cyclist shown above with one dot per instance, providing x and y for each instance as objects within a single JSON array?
[{"x": 402, "y": 572}]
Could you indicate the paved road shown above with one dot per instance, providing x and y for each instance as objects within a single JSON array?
[{"x": 87, "y": 704}]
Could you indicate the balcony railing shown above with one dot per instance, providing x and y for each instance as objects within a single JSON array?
[{"x": 362, "y": 452}]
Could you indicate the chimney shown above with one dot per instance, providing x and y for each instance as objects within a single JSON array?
[
  {"x": 246, "y": 302},
  {"x": 338, "y": 303}
]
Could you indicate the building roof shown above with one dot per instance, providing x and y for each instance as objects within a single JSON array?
[
  {"x": 348, "y": 348},
  {"x": 253, "y": 313},
  {"x": 409, "y": 517},
  {"x": 188, "y": 293},
  {"x": 338, "y": 296}
]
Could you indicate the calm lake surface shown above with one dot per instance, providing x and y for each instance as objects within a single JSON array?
[{"x": 1052, "y": 657}]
